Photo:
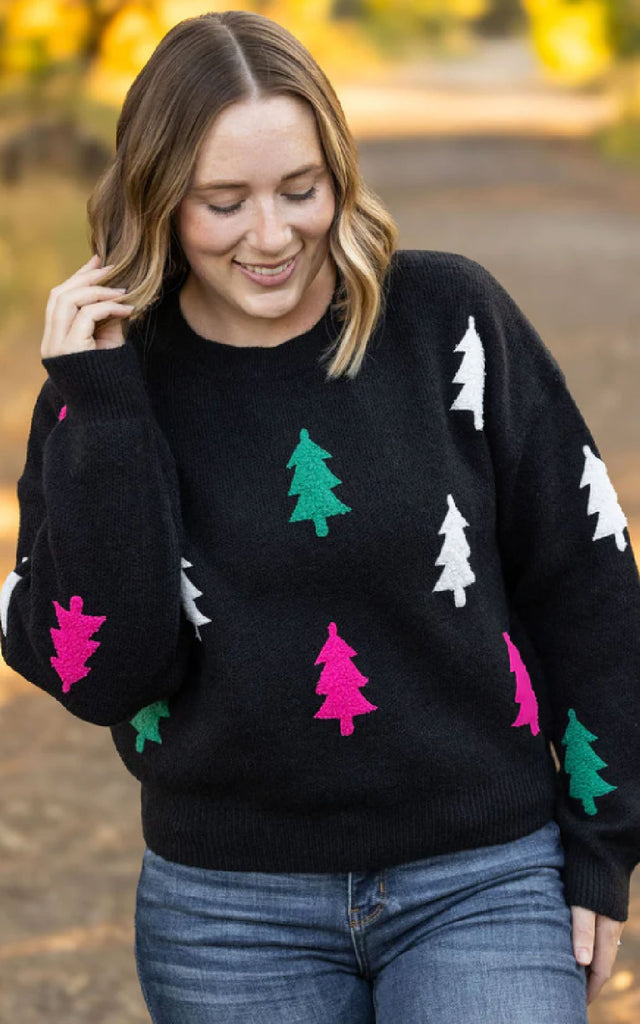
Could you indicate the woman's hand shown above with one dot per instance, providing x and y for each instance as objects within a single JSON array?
[
  {"x": 77, "y": 306},
  {"x": 595, "y": 945}
]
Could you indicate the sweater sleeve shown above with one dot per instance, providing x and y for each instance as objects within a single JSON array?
[
  {"x": 571, "y": 575},
  {"x": 91, "y": 612}
]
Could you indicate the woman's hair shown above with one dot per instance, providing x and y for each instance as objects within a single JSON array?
[{"x": 199, "y": 68}]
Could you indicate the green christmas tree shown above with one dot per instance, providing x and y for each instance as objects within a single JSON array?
[
  {"x": 313, "y": 481},
  {"x": 147, "y": 723},
  {"x": 582, "y": 765}
]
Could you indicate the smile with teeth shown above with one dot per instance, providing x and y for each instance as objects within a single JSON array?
[{"x": 269, "y": 271}]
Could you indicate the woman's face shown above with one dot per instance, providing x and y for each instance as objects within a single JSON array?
[{"x": 254, "y": 147}]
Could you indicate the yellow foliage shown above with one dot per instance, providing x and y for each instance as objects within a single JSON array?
[
  {"x": 32, "y": 17},
  {"x": 170, "y": 12},
  {"x": 59, "y": 27},
  {"x": 339, "y": 47},
  {"x": 571, "y": 38},
  {"x": 452, "y": 9},
  {"x": 127, "y": 44},
  {"x": 55, "y": 30}
]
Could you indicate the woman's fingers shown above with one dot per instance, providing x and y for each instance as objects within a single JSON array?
[
  {"x": 583, "y": 931},
  {"x": 595, "y": 945},
  {"x": 81, "y": 335},
  {"x": 67, "y": 304},
  {"x": 605, "y": 951},
  {"x": 75, "y": 307}
]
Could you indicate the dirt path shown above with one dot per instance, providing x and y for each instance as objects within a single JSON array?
[{"x": 562, "y": 232}]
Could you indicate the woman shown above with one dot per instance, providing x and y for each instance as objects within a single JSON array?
[{"x": 342, "y": 687}]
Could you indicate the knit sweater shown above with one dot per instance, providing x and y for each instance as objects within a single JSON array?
[{"x": 336, "y": 625}]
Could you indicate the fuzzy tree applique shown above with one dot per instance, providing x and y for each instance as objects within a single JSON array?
[
  {"x": 471, "y": 374},
  {"x": 603, "y": 499},
  {"x": 5, "y": 595},
  {"x": 314, "y": 483},
  {"x": 147, "y": 723},
  {"x": 582, "y": 765},
  {"x": 189, "y": 594},
  {"x": 341, "y": 682},
  {"x": 525, "y": 696},
  {"x": 72, "y": 643},
  {"x": 454, "y": 555}
]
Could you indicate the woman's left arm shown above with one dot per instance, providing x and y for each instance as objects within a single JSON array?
[
  {"x": 571, "y": 575},
  {"x": 572, "y": 579}
]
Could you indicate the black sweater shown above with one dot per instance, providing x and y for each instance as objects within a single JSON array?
[{"x": 336, "y": 625}]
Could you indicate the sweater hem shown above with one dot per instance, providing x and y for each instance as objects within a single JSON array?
[{"x": 218, "y": 834}]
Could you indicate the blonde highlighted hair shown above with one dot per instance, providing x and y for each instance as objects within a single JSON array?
[{"x": 201, "y": 66}]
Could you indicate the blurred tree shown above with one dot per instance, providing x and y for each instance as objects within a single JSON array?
[
  {"x": 624, "y": 23},
  {"x": 58, "y": 49},
  {"x": 348, "y": 9},
  {"x": 595, "y": 43},
  {"x": 572, "y": 38},
  {"x": 504, "y": 17},
  {"x": 396, "y": 25}
]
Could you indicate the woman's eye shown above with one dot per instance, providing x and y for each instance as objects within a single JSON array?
[{"x": 236, "y": 206}]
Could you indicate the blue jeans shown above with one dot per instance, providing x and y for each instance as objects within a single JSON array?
[{"x": 477, "y": 937}]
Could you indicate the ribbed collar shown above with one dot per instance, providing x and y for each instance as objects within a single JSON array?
[{"x": 172, "y": 336}]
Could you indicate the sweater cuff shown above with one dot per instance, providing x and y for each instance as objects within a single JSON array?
[
  {"x": 595, "y": 884},
  {"x": 100, "y": 384}
]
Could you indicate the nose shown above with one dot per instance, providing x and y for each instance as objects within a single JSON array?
[{"x": 270, "y": 232}]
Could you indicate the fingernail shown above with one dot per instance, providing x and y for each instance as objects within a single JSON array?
[{"x": 583, "y": 956}]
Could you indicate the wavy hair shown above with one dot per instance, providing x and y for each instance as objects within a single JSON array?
[{"x": 200, "y": 67}]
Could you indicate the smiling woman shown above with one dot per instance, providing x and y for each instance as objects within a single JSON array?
[
  {"x": 266, "y": 271},
  {"x": 339, "y": 685},
  {"x": 233, "y": 158}
]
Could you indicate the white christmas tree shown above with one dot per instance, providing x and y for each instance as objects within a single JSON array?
[
  {"x": 471, "y": 374},
  {"x": 5, "y": 595},
  {"x": 454, "y": 555},
  {"x": 189, "y": 594},
  {"x": 603, "y": 499}
]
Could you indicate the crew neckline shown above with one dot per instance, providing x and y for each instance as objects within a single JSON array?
[{"x": 301, "y": 353}]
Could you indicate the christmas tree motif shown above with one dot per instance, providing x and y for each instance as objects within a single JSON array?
[
  {"x": 313, "y": 481},
  {"x": 582, "y": 765},
  {"x": 5, "y": 595},
  {"x": 471, "y": 375},
  {"x": 341, "y": 682},
  {"x": 189, "y": 593},
  {"x": 454, "y": 555},
  {"x": 525, "y": 697},
  {"x": 603, "y": 499},
  {"x": 62, "y": 413},
  {"x": 147, "y": 723},
  {"x": 72, "y": 642}
]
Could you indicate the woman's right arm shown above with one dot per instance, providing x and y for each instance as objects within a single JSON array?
[{"x": 92, "y": 611}]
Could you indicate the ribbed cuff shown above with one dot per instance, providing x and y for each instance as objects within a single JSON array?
[
  {"x": 595, "y": 884},
  {"x": 100, "y": 384}
]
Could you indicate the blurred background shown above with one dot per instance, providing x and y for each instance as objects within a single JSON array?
[{"x": 507, "y": 130}]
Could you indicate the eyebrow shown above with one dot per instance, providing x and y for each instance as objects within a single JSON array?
[{"x": 241, "y": 184}]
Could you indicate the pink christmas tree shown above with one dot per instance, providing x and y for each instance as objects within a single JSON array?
[
  {"x": 341, "y": 682},
  {"x": 525, "y": 697},
  {"x": 72, "y": 642}
]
